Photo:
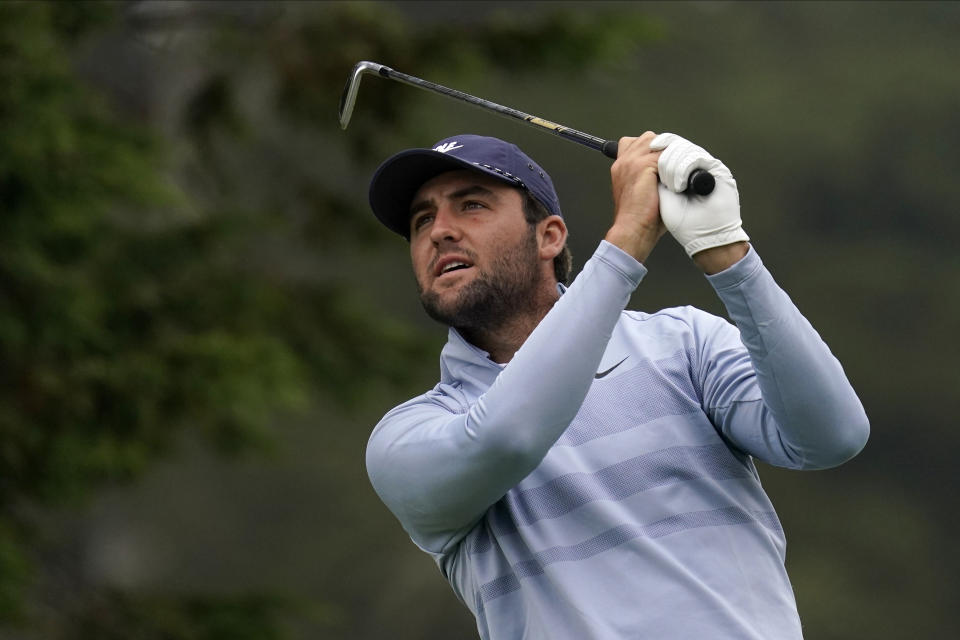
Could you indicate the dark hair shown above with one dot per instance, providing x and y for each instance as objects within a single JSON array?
[{"x": 534, "y": 212}]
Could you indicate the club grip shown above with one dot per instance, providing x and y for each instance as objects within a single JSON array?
[{"x": 700, "y": 181}]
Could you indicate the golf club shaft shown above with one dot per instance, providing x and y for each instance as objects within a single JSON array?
[
  {"x": 607, "y": 147},
  {"x": 699, "y": 182}
]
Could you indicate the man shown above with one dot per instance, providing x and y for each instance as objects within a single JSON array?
[{"x": 582, "y": 471}]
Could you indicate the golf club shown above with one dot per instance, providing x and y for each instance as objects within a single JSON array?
[{"x": 700, "y": 182}]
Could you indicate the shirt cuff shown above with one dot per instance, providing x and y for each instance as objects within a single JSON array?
[{"x": 737, "y": 273}]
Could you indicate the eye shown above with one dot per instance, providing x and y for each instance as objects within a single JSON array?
[
  {"x": 421, "y": 220},
  {"x": 473, "y": 204}
]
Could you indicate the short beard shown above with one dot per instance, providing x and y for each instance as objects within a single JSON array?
[{"x": 492, "y": 298}]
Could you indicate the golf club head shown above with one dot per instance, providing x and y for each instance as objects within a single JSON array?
[{"x": 349, "y": 96}]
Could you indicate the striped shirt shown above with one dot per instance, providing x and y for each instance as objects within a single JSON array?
[{"x": 601, "y": 484}]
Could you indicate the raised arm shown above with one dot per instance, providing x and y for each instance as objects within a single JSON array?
[
  {"x": 786, "y": 399},
  {"x": 438, "y": 471},
  {"x": 788, "y": 402}
]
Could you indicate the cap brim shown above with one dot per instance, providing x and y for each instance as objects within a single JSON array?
[{"x": 399, "y": 178}]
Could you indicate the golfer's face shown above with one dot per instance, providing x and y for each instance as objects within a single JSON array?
[{"x": 459, "y": 222}]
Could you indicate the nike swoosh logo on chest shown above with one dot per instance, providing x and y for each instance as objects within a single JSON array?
[{"x": 601, "y": 374}]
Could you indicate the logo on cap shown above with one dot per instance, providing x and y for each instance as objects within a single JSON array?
[{"x": 448, "y": 146}]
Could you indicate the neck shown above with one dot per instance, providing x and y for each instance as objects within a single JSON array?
[{"x": 503, "y": 341}]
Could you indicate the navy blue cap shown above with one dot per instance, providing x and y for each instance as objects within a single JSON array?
[{"x": 397, "y": 180}]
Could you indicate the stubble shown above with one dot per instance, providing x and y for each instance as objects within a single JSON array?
[{"x": 494, "y": 296}]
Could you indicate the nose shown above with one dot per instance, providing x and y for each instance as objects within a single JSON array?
[{"x": 445, "y": 226}]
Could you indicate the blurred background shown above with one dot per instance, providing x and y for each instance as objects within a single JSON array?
[{"x": 200, "y": 322}]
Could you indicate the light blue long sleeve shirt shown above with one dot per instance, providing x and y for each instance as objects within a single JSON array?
[{"x": 601, "y": 484}]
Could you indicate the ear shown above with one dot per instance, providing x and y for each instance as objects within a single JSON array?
[{"x": 552, "y": 233}]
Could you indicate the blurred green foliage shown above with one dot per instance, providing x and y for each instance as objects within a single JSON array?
[
  {"x": 142, "y": 293},
  {"x": 114, "y": 615},
  {"x": 122, "y": 325},
  {"x": 187, "y": 257}
]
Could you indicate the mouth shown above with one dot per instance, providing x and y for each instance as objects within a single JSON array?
[{"x": 451, "y": 264}]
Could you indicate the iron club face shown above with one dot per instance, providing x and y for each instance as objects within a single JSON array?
[{"x": 349, "y": 96}]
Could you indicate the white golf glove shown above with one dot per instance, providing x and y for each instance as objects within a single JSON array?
[{"x": 697, "y": 222}]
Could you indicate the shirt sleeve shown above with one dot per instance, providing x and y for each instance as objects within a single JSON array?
[
  {"x": 785, "y": 399},
  {"x": 438, "y": 472}
]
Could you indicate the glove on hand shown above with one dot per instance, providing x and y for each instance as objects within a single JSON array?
[{"x": 697, "y": 222}]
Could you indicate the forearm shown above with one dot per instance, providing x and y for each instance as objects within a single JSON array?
[
  {"x": 716, "y": 259},
  {"x": 439, "y": 472},
  {"x": 818, "y": 417}
]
